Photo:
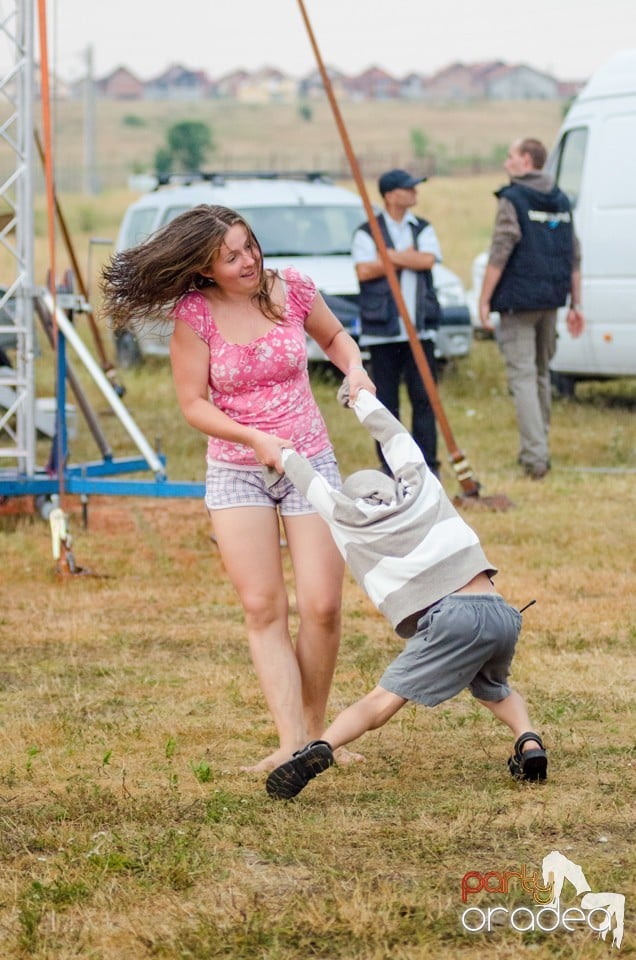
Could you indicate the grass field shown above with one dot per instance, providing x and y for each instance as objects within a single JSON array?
[
  {"x": 128, "y": 832},
  {"x": 129, "y": 703}
]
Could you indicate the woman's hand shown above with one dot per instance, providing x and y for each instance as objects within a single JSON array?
[
  {"x": 358, "y": 379},
  {"x": 267, "y": 449}
]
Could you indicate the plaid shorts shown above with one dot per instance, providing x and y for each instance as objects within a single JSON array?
[{"x": 233, "y": 487}]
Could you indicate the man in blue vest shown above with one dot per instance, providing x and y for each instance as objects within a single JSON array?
[
  {"x": 533, "y": 269},
  {"x": 413, "y": 248}
]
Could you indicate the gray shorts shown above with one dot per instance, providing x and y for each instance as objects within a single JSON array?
[
  {"x": 233, "y": 487},
  {"x": 465, "y": 640}
]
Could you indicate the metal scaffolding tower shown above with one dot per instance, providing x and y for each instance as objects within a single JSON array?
[
  {"x": 22, "y": 302},
  {"x": 17, "y": 422}
]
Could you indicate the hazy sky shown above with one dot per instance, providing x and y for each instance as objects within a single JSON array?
[{"x": 569, "y": 38}]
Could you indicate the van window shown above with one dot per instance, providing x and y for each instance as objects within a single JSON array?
[
  {"x": 570, "y": 160},
  {"x": 140, "y": 225},
  {"x": 618, "y": 189}
]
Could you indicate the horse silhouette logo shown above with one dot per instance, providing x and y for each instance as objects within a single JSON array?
[{"x": 557, "y": 869}]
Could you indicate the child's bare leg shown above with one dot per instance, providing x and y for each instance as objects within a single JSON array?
[
  {"x": 367, "y": 714},
  {"x": 287, "y": 780},
  {"x": 513, "y": 712},
  {"x": 529, "y": 760}
]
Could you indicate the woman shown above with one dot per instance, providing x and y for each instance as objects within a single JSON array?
[{"x": 238, "y": 355}]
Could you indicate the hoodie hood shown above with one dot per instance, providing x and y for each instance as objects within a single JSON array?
[
  {"x": 371, "y": 485},
  {"x": 538, "y": 180}
]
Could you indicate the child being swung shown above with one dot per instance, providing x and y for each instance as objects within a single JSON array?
[{"x": 425, "y": 570}]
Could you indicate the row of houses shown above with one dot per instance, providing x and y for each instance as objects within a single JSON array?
[{"x": 494, "y": 80}]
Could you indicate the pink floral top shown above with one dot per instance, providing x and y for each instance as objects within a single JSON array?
[{"x": 265, "y": 383}]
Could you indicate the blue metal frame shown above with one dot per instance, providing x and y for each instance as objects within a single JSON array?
[
  {"x": 19, "y": 485},
  {"x": 95, "y": 477}
]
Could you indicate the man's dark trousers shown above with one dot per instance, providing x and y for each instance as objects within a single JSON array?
[{"x": 392, "y": 362}]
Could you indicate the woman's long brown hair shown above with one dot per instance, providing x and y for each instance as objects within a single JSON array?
[{"x": 144, "y": 282}]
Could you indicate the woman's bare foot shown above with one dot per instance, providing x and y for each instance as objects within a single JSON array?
[
  {"x": 269, "y": 763},
  {"x": 342, "y": 756}
]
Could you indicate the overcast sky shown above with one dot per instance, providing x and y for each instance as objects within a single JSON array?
[{"x": 569, "y": 38}]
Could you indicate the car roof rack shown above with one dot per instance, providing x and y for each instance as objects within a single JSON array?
[{"x": 220, "y": 176}]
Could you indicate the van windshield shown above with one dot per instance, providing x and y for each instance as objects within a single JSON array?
[
  {"x": 299, "y": 231},
  {"x": 293, "y": 231}
]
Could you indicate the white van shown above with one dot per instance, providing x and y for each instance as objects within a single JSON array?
[
  {"x": 301, "y": 220},
  {"x": 594, "y": 162}
]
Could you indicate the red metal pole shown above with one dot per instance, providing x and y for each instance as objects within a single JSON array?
[{"x": 460, "y": 464}]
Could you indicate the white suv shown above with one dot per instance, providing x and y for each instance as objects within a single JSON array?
[{"x": 301, "y": 220}]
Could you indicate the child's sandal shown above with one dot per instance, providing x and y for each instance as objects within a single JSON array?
[
  {"x": 531, "y": 765},
  {"x": 287, "y": 780}
]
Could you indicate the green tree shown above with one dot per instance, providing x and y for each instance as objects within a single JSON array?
[
  {"x": 305, "y": 111},
  {"x": 132, "y": 120},
  {"x": 188, "y": 143},
  {"x": 498, "y": 154},
  {"x": 163, "y": 160},
  {"x": 420, "y": 143}
]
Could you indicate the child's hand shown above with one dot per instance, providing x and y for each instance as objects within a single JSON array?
[{"x": 343, "y": 393}]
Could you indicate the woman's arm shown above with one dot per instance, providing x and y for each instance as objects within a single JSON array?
[
  {"x": 190, "y": 359},
  {"x": 340, "y": 347}
]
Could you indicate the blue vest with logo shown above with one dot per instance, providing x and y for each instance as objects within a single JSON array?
[
  {"x": 379, "y": 315},
  {"x": 538, "y": 275}
]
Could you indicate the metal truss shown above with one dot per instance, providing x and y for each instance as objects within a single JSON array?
[{"x": 17, "y": 412}]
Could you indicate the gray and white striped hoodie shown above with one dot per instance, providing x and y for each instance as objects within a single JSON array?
[{"x": 404, "y": 541}]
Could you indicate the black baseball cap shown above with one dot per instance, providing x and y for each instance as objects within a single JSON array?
[{"x": 396, "y": 180}]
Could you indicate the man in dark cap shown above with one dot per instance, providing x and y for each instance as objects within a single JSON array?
[{"x": 413, "y": 248}]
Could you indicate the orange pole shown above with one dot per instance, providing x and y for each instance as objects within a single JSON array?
[
  {"x": 48, "y": 153},
  {"x": 50, "y": 203},
  {"x": 462, "y": 468}
]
